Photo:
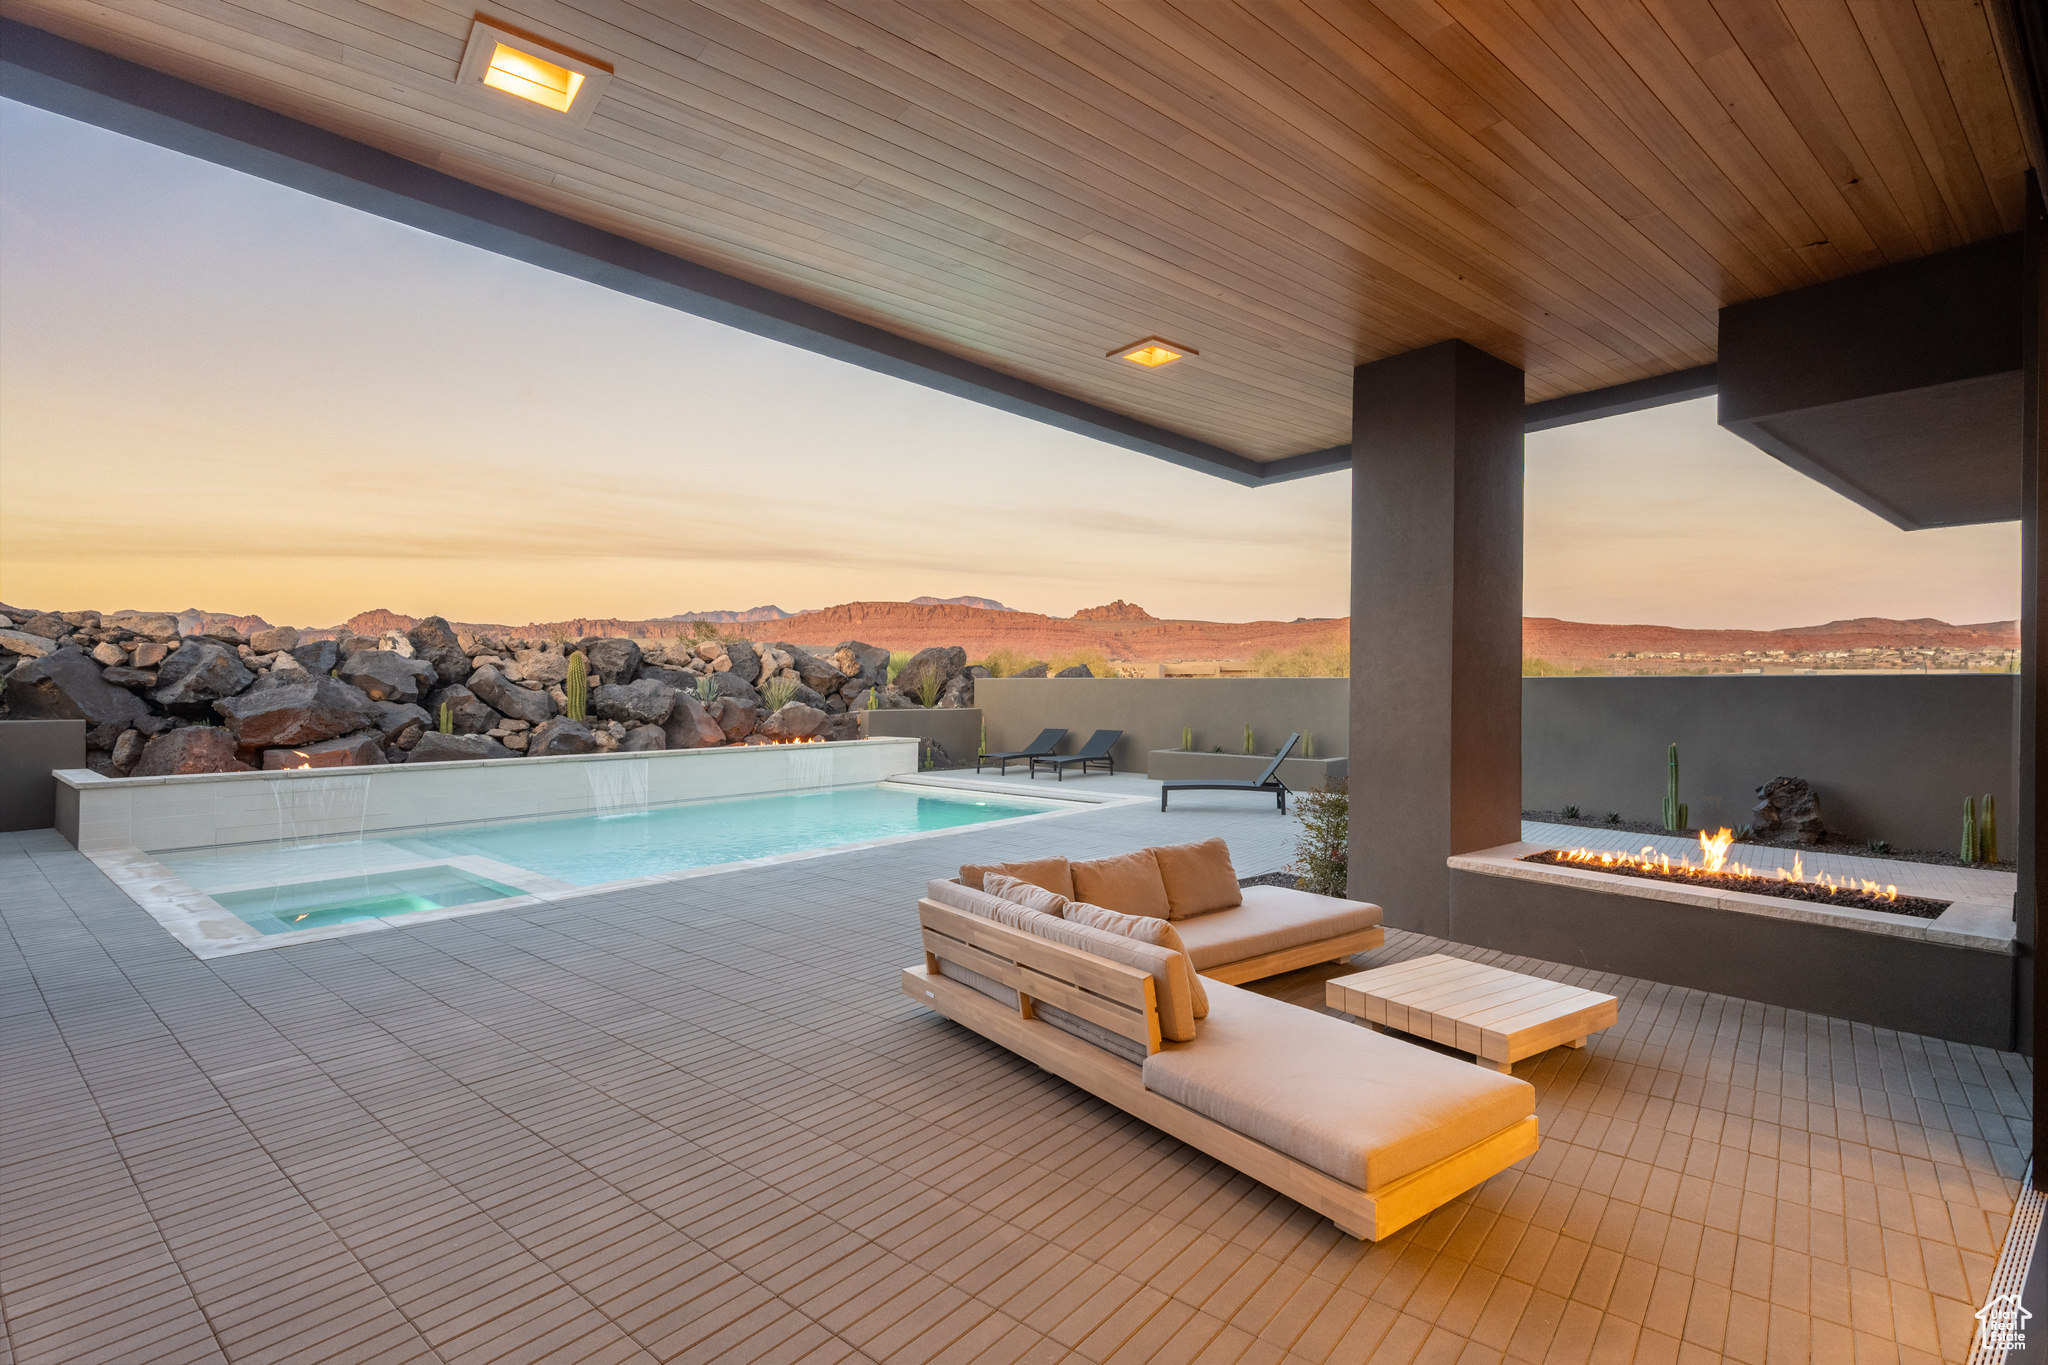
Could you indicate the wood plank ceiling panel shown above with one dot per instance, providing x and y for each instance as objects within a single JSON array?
[{"x": 1292, "y": 188}]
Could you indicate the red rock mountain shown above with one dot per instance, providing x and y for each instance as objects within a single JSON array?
[
  {"x": 1118, "y": 610},
  {"x": 1546, "y": 637}
]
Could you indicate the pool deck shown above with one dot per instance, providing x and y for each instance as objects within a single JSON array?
[{"x": 695, "y": 1121}]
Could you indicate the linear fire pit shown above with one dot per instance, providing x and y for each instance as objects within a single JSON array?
[
  {"x": 1951, "y": 976},
  {"x": 1795, "y": 886}
]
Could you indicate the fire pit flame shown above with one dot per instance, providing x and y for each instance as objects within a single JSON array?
[{"x": 1714, "y": 863}]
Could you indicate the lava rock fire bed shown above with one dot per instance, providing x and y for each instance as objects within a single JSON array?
[{"x": 1855, "y": 895}]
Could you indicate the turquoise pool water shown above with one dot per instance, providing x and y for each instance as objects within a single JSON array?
[{"x": 280, "y": 888}]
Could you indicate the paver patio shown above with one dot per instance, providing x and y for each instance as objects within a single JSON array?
[{"x": 697, "y": 1122}]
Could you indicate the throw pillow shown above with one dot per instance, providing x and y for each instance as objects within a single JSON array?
[
  {"x": 1198, "y": 878},
  {"x": 1024, "y": 893},
  {"x": 1128, "y": 883},
  {"x": 1145, "y": 929},
  {"x": 1050, "y": 873}
]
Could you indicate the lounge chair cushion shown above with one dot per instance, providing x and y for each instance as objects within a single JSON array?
[
  {"x": 1199, "y": 878},
  {"x": 1360, "y": 1107},
  {"x": 1050, "y": 873},
  {"x": 1172, "y": 978},
  {"x": 1129, "y": 884},
  {"x": 1272, "y": 918},
  {"x": 1145, "y": 929},
  {"x": 1024, "y": 893}
]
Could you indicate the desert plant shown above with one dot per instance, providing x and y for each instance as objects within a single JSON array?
[
  {"x": 1329, "y": 657},
  {"x": 1744, "y": 833},
  {"x": 1969, "y": 849},
  {"x": 1322, "y": 853},
  {"x": 1987, "y": 831},
  {"x": 898, "y": 658},
  {"x": 1614, "y": 817},
  {"x": 1001, "y": 663},
  {"x": 1570, "y": 812},
  {"x": 1094, "y": 660},
  {"x": 1187, "y": 739},
  {"x": 1879, "y": 845},
  {"x": 1308, "y": 744},
  {"x": 779, "y": 692},
  {"x": 706, "y": 689},
  {"x": 928, "y": 688},
  {"x": 577, "y": 687},
  {"x": 1674, "y": 810},
  {"x": 700, "y": 631},
  {"x": 982, "y": 748},
  {"x": 447, "y": 725},
  {"x": 874, "y": 698},
  {"x": 1248, "y": 740},
  {"x": 558, "y": 634}
]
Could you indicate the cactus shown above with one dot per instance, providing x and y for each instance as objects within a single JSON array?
[
  {"x": 1969, "y": 848},
  {"x": 707, "y": 690},
  {"x": 1676, "y": 814},
  {"x": 447, "y": 719},
  {"x": 1187, "y": 739},
  {"x": 577, "y": 687},
  {"x": 983, "y": 750},
  {"x": 874, "y": 698},
  {"x": 1248, "y": 740},
  {"x": 1987, "y": 831},
  {"x": 1308, "y": 744}
]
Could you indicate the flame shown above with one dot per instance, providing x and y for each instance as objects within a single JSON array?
[{"x": 1714, "y": 863}]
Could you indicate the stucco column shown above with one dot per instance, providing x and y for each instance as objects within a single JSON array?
[{"x": 1436, "y": 623}]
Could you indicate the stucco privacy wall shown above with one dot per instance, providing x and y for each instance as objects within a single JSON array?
[
  {"x": 206, "y": 810},
  {"x": 1892, "y": 757}
]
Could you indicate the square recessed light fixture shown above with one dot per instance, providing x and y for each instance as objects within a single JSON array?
[
  {"x": 548, "y": 81},
  {"x": 1152, "y": 352}
]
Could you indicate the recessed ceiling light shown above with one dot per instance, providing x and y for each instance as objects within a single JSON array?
[
  {"x": 535, "y": 72},
  {"x": 1152, "y": 352}
]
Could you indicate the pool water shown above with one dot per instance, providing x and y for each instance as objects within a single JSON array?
[{"x": 280, "y": 888}]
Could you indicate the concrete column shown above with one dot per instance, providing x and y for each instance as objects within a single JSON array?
[
  {"x": 1436, "y": 623},
  {"x": 2031, "y": 758}
]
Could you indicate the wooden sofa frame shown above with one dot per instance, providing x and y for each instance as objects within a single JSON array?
[{"x": 1121, "y": 999}]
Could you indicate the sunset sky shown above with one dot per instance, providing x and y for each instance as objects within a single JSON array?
[{"x": 217, "y": 392}]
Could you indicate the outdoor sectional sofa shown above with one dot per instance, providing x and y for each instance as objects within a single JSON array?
[{"x": 1370, "y": 1131}]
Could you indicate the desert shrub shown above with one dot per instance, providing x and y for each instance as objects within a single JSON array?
[
  {"x": 1543, "y": 668},
  {"x": 779, "y": 692},
  {"x": 897, "y": 659},
  {"x": 1322, "y": 855},
  {"x": 1096, "y": 661},
  {"x": 1329, "y": 657},
  {"x": 706, "y": 690},
  {"x": 700, "y": 631},
  {"x": 1001, "y": 663},
  {"x": 928, "y": 687}
]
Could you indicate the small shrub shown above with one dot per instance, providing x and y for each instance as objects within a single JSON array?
[
  {"x": 1543, "y": 668},
  {"x": 706, "y": 690},
  {"x": 558, "y": 634},
  {"x": 1879, "y": 846},
  {"x": 1322, "y": 855},
  {"x": 1614, "y": 817},
  {"x": 779, "y": 692},
  {"x": 701, "y": 631},
  {"x": 1570, "y": 812},
  {"x": 897, "y": 659},
  {"x": 928, "y": 688},
  {"x": 1328, "y": 657},
  {"x": 1094, "y": 660},
  {"x": 1001, "y": 663},
  {"x": 1745, "y": 832}
]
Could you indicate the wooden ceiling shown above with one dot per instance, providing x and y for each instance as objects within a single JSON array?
[{"x": 1291, "y": 187}]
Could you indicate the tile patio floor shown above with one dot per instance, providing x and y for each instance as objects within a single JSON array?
[{"x": 697, "y": 1122}]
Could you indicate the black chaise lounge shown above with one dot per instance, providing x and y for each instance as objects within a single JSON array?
[
  {"x": 1268, "y": 781},
  {"x": 1095, "y": 751},
  {"x": 1042, "y": 747}
]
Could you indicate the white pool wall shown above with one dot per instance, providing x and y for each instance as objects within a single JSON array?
[{"x": 215, "y": 810}]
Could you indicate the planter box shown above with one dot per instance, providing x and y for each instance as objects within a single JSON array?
[
  {"x": 1300, "y": 774},
  {"x": 957, "y": 729}
]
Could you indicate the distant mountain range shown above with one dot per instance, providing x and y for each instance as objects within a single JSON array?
[{"x": 724, "y": 617}]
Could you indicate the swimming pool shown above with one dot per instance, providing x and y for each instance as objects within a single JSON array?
[{"x": 287, "y": 887}]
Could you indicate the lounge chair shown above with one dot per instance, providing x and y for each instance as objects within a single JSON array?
[
  {"x": 1043, "y": 746},
  {"x": 1096, "y": 750},
  {"x": 1268, "y": 781}
]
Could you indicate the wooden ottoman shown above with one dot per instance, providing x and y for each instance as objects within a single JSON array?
[{"x": 1497, "y": 1015}]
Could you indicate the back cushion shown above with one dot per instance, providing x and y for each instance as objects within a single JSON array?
[
  {"x": 1128, "y": 884},
  {"x": 1050, "y": 873},
  {"x": 1146, "y": 930},
  {"x": 1031, "y": 897},
  {"x": 1198, "y": 878}
]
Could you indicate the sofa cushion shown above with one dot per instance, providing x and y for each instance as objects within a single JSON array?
[
  {"x": 1050, "y": 873},
  {"x": 982, "y": 903},
  {"x": 1128, "y": 884},
  {"x": 1356, "y": 1105},
  {"x": 1145, "y": 929},
  {"x": 1024, "y": 893},
  {"x": 1199, "y": 878},
  {"x": 1271, "y": 918}
]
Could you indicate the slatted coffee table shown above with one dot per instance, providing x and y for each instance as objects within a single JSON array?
[{"x": 1497, "y": 1015}]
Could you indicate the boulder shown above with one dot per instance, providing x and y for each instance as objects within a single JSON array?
[
  {"x": 732, "y": 685},
  {"x": 135, "y": 678},
  {"x": 450, "y": 664},
  {"x": 646, "y": 702},
  {"x": 393, "y": 718},
  {"x": 1787, "y": 808},
  {"x": 384, "y": 675},
  {"x": 795, "y": 721},
  {"x": 151, "y": 726},
  {"x": 470, "y": 715},
  {"x": 885, "y": 699},
  {"x": 1035, "y": 671},
  {"x": 542, "y": 664},
  {"x": 814, "y": 672},
  {"x": 845, "y": 726},
  {"x": 346, "y": 645},
  {"x": 271, "y": 641},
  {"x": 509, "y": 698},
  {"x": 958, "y": 692},
  {"x": 680, "y": 679},
  {"x": 869, "y": 663},
  {"x": 148, "y": 653},
  {"x": 943, "y": 662},
  {"x": 317, "y": 656},
  {"x": 27, "y": 645},
  {"x": 193, "y": 749},
  {"x": 128, "y": 748},
  {"x": 352, "y": 751},
  {"x": 299, "y": 709},
  {"x": 48, "y": 625},
  {"x": 745, "y": 660},
  {"x": 109, "y": 655},
  {"x": 101, "y": 737},
  {"x": 641, "y": 739},
  {"x": 1077, "y": 671},
  {"x": 807, "y": 697},
  {"x": 613, "y": 660},
  {"x": 558, "y": 736},
  {"x": 735, "y": 720},
  {"x": 151, "y": 625},
  {"x": 435, "y": 747},
  {"x": 68, "y": 685},
  {"x": 432, "y": 633},
  {"x": 691, "y": 726}
]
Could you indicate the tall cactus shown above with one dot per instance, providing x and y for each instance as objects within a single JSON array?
[
  {"x": 578, "y": 687},
  {"x": 1969, "y": 848},
  {"x": 447, "y": 719},
  {"x": 1987, "y": 831},
  {"x": 1248, "y": 739},
  {"x": 1676, "y": 813}
]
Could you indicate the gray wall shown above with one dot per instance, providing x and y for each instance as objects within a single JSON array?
[
  {"x": 29, "y": 749},
  {"x": 1892, "y": 757},
  {"x": 957, "y": 729},
  {"x": 1151, "y": 712}
]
